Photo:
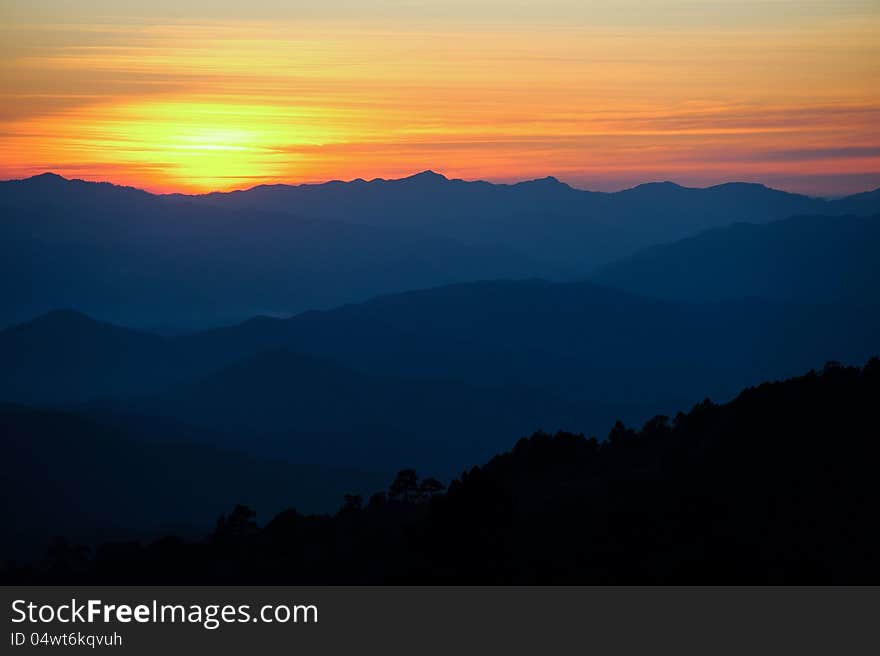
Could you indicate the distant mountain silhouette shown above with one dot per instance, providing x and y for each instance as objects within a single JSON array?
[
  {"x": 545, "y": 219},
  {"x": 246, "y": 392},
  {"x": 156, "y": 262},
  {"x": 196, "y": 261},
  {"x": 776, "y": 487},
  {"x": 67, "y": 475},
  {"x": 807, "y": 259},
  {"x": 306, "y": 409},
  {"x": 864, "y": 204},
  {"x": 431, "y": 200},
  {"x": 573, "y": 341},
  {"x": 67, "y": 356}
]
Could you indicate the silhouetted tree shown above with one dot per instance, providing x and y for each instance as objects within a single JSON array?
[
  {"x": 430, "y": 486},
  {"x": 378, "y": 500},
  {"x": 620, "y": 433},
  {"x": 352, "y": 503},
  {"x": 405, "y": 486},
  {"x": 776, "y": 486},
  {"x": 832, "y": 366},
  {"x": 239, "y": 523},
  {"x": 64, "y": 559}
]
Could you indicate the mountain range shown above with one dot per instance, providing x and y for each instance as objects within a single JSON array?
[
  {"x": 282, "y": 344},
  {"x": 383, "y": 384},
  {"x": 658, "y": 210},
  {"x": 304, "y": 409},
  {"x": 578, "y": 339},
  {"x": 177, "y": 263}
]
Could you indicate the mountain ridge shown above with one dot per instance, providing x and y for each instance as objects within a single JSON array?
[
  {"x": 431, "y": 175},
  {"x": 489, "y": 334},
  {"x": 804, "y": 259},
  {"x": 185, "y": 262}
]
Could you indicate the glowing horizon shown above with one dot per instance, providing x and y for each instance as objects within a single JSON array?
[
  {"x": 248, "y": 187},
  {"x": 195, "y": 97}
]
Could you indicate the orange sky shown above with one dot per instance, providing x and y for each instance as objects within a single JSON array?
[{"x": 195, "y": 96}]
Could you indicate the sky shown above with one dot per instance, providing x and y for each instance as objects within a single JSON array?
[{"x": 194, "y": 96}]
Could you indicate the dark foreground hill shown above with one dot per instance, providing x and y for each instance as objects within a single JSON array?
[
  {"x": 62, "y": 474},
  {"x": 777, "y": 486}
]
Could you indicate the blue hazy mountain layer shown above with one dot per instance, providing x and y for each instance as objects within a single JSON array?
[
  {"x": 384, "y": 383},
  {"x": 69, "y": 475},
  {"x": 808, "y": 259},
  {"x": 183, "y": 262}
]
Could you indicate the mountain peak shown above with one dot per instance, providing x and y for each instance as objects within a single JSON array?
[
  {"x": 665, "y": 184},
  {"x": 54, "y": 320},
  {"x": 547, "y": 181},
  {"x": 65, "y": 314},
  {"x": 740, "y": 185},
  {"x": 45, "y": 178},
  {"x": 427, "y": 176}
]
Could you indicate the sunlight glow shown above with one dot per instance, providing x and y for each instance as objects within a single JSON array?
[{"x": 196, "y": 105}]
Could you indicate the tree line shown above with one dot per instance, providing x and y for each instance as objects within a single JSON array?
[{"x": 778, "y": 486}]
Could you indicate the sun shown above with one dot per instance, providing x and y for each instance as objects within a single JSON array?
[
  {"x": 201, "y": 145},
  {"x": 189, "y": 144}
]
